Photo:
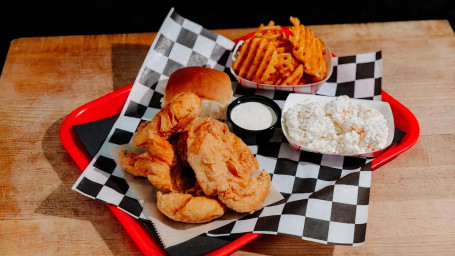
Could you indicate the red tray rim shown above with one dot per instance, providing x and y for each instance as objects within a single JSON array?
[{"x": 94, "y": 110}]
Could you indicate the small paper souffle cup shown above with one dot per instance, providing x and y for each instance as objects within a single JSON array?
[
  {"x": 253, "y": 118},
  {"x": 309, "y": 88}
]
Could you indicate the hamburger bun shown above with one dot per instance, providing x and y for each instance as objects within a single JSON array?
[{"x": 211, "y": 85}]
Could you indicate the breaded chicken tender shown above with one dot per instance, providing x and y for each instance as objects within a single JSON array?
[
  {"x": 246, "y": 196},
  {"x": 224, "y": 165},
  {"x": 188, "y": 208},
  {"x": 172, "y": 118},
  {"x": 158, "y": 164},
  {"x": 199, "y": 167}
]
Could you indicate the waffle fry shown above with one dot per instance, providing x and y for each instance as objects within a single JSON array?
[
  {"x": 241, "y": 56},
  {"x": 265, "y": 62},
  {"x": 272, "y": 57},
  {"x": 308, "y": 49},
  {"x": 270, "y": 74},
  {"x": 295, "y": 76},
  {"x": 250, "y": 56},
  {"x": 262, "y": 48}
]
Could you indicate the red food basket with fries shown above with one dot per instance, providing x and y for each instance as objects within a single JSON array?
[{"x": 281, "y": 58}]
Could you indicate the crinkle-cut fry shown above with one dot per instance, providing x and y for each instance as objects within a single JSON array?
[
  {"x": 294, "y": 78},
  {"x": 260, "y": 52},
  {"x": 250, "y": 56}
]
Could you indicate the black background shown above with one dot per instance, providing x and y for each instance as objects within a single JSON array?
[{"x": 76, "y": 17}]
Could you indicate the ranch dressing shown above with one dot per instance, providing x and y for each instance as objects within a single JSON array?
[{"x": 253, "y": 116}]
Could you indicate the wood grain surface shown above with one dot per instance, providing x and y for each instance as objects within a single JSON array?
[{"x": 412, "y": 203}]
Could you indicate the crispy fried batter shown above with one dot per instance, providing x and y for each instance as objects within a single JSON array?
[
  {"x": 200, "y": 167},
  {"x": 211, "y": 147},
  {"x": 246, "y": 195},
  {"x": 158, "y": 164},
  {"x": 173, "y": 117},
  {"x": 224, "y": 165},
  {"x": 135, "y": 164},
  {"x": 188, "y": 208}
]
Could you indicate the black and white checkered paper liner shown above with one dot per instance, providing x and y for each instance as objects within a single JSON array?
[{"x": 326, "y": 196}]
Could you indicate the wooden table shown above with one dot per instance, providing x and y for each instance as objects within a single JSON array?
[{"x": 412, "y": 204}]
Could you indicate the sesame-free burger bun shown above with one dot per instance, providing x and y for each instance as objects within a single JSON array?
[{"x": 211, "y": 85}]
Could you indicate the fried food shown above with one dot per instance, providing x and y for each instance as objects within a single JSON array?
[
  {"x": 158, "y": 164},
  {"x": 199, "y": 167},
  {"x": 246, "y": 195},
  {"x": 224, "y": 165},
  {"x": 135, "y": 164},
  {"x": 158, "y": 173},
  {"x": 271, "y": 56},
  {"x": 210, "y": 147},
  {"x": 172, "y": 118},
  {"x": 188, "y": 208},
  {"x": 308, "y": 49}
]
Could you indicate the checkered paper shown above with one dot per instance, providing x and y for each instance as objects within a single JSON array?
[{"x": 326, "y": 197}]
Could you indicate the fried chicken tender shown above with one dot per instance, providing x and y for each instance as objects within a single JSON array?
[
  {"x": 206, "y": 145},
  {"x": 158, "y": 164},
  {"x": 188, "y": 208},
  {"x": 224, "y": 165},
  {"x": 172, "y": 118},
  {"x": 246, "y": 196},
  {"x": 199, "y": 167}
]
